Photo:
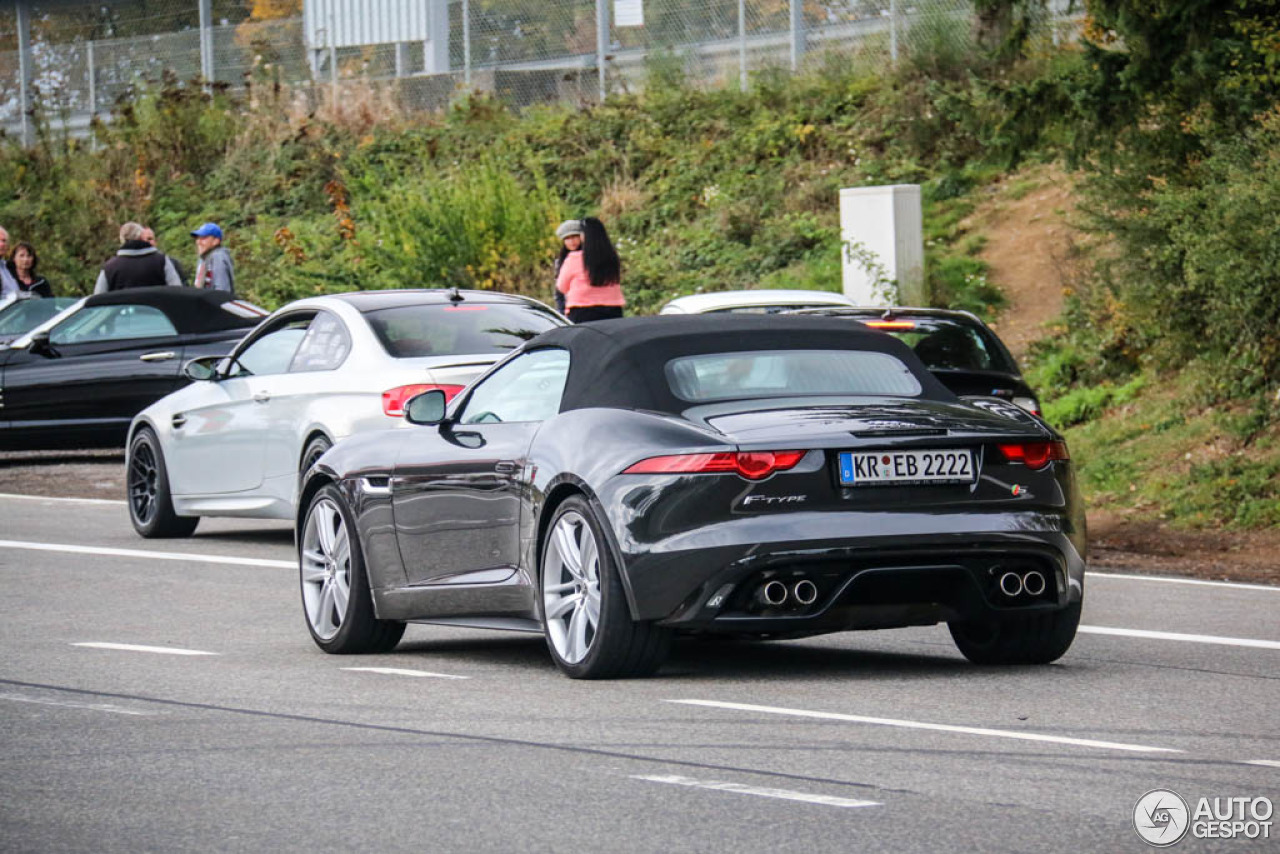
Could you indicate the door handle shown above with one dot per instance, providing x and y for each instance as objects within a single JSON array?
[
  {"x": 158, "y": 357},
  {"x": 504, "y": 467},
  {"x": 179, "y": 420},
  {"x": 261, "y": 397}
]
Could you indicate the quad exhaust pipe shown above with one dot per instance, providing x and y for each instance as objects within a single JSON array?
[
  {"x": 805, "y": 592},
  {"x": 1013, "y": 583},
  {"x": 776, "y": 594},
  {"x": 772, "y": 593}
]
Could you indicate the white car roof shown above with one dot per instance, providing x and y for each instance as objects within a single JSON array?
[{"x": 723, "y": 300}]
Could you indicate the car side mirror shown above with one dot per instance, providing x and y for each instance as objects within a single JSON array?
[
  {"x": 40, "y": 343},
  {"x": 202, "y": 369},
  {"x": 425, "y": 409}
]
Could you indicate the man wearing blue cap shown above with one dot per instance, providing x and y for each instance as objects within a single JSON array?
[{"x": 215, "y": 269}]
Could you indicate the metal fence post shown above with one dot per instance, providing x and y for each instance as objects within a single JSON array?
[
  {"x": 93, "y": 79},
  {"x": 206, "y": 41},
  {"x": 333, "y": 60},
  {"x": 893, "y": 31},
  {"x": 24, "y": 68},
  {"x": 742, "y": 45},
  {"x": 797, "y": 33},
  {"x": 466, "y": 42},
  {"x": 602, "y": 44}
]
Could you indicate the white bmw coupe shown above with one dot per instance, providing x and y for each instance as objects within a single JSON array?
[{"x": 234, "y": 442}]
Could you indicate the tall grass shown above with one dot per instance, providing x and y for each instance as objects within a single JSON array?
[{"x": 478, "y": 227}]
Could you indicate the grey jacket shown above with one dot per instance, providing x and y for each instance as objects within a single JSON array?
[{"x": 216, "y": 271}]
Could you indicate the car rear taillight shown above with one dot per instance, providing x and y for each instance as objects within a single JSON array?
[
  {"x": 393, "y": 400},
  {"x": 1035, "y": 455},
  {"x": 752, "y": 465},
  {"x": 890, "y": 324},
  {"x": 1029, "y": 404}
]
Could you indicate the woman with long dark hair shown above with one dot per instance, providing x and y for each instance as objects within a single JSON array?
[
  {"x": 590, "y": 277},
  {"x": 22, "y": 265}
]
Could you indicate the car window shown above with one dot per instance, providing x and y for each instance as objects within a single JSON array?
[
  {"x": 444, "y": 329},
  {"x": 272, "y": 351},
  {"x": 783, "y": 373},
  {"x": 29, "y": 313},
  {"x": 112, "y": 323},
  {"x": 324, "y": 347},
  {"x": 527, "y": 388},
  {"x": 944, "y": 344}
]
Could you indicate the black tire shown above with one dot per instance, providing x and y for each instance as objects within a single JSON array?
[
  {"x": 314, "y": 450},
  {"x": 147, "y": 491},
  {"x": 617, "y": 646},
  {"x": 1031, "y": 639},
  {"x": 356, "y": 629}
]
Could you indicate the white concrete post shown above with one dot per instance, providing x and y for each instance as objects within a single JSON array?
[{"x": 882, "y": 235}]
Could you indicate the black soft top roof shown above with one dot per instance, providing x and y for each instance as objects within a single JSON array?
[
  {"x": 190, "y": 310},
  {"x": 621, "y": 363}
]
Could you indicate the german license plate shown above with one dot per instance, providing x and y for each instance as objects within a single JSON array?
[{"x": 874, "y": 468}]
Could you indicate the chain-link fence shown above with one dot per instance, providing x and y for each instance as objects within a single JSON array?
[{"x": 81, "y": 59}]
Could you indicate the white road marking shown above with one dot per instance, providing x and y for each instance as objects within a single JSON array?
[
  {"x": 1266, "y": 763},
  {"x": 93, "y": 707},
  {"x": 784, "y": 794},
  {"x": 904, "y": 724},
  {"x": 1195, "y": 581},
  {"x": 113, "y": 501},
  {"x": 396, "y": 671},
  {"x": 143, "y": 553},
  {"x": 1174, "y": 636},
  {"x": 133, "y": 647}
]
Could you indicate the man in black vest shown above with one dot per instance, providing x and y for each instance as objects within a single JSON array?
[{"x": 137, "y": 264}]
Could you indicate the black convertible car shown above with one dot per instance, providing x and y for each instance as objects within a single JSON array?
[
  {"x": 614, "y": 483},
  {"x": 79, "y": 382},
  {"x": 956, "y": 346}
]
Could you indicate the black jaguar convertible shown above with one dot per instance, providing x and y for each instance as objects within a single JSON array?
[{"x": 615, "y": 483}]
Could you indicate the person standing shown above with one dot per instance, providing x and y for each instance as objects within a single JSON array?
[
  {"x": 8, "y": 284},
  {"x": 136, "y": 264},
  {"x": 590, "y": 278},
  {"x": 215, "y": 269},
  {"x": 22, "y": 264},
  {"x": 570, "y": 235}
]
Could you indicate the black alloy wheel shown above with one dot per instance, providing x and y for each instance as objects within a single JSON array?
[
  {"x": 147, "y": 490},
  {"x": 315, "y": 450}
]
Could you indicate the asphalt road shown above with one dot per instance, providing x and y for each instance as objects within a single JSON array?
[{"x": 165, "y": 696}]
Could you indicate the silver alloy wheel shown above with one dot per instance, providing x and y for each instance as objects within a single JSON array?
[
  {"x": 326, "y": 568},
  {"x": 571, "y": 587}
]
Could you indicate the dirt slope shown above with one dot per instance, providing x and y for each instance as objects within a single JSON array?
[{"x": 1031, "y": 251}]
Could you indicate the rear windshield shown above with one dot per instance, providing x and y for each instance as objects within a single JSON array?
[
  {"x": 467, "y": 329},
  {"x": 788, "y": 373},
  {"x": 944, "y": 344}
]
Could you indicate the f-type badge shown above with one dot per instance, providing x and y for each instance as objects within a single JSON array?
[{"x": 771, "y": 500}]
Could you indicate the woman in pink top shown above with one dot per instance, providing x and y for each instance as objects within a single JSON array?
[{"x": 590, "y": 277}]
